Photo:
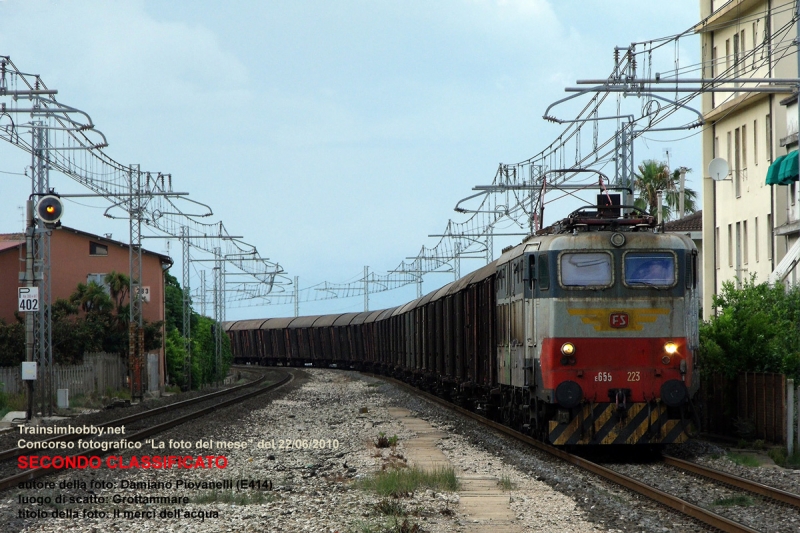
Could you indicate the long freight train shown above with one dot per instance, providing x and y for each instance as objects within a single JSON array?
[{"x": 585, "y": 335}]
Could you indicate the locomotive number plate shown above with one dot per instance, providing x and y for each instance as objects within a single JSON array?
[{"x": 618, "y": 320}]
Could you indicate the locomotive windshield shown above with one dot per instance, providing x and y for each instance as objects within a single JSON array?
[
  {"x": 649, "y": 269},
  {"x": 586, "y": 269}
]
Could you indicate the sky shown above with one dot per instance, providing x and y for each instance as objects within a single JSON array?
[{"x": 330, "y": 135}]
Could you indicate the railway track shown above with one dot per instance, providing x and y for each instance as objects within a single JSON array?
[
  {"x": 215, "y": 400},
  {"x": 769, "y": 497}
]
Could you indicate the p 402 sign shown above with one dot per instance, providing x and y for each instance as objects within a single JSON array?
[{"x": 28, "y": 298}]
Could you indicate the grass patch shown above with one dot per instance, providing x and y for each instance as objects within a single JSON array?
[
  {"x": 397, "y": 483},
  {"x": 743, "y": 459},
  {"x": 392, "y": 526},
  {"x": 15, "y": 402},
  {"x": 390, "y": 507},
  {"x": 778, "y": 455},
  {"x": 233, "y": 498},
  {"x": 736, "y": 501},
  {"x": 505, "y": 483}
]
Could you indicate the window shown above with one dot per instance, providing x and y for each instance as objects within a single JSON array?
[
  {"x": 97, "y": 249},
  {"x": 99, "y": 279},
  {"x": 755, "y": 40},
  {"x": 716, "y": 146},
  {"x": 727, "y": 56},
  {"x": 744, "y": 147},
  {"x": 755, "y": 235},
  {"x": 586, "y": 269},
  {"x": 730, "y": 149},
  {"x": 716, "y": 247},
  {"x": 737, "y": 173},
  {"x": 730, "y": 245},
  {"x": 649, "y": 269},
  {"x": 768, "y": 143},
  {"x": 544, "y": 273},
  {"x": 769, "y": 237},
  {"x": 745, "y": 247},
  {"x": 713, "y": 62},
  {"x": 755, "y": 142}
]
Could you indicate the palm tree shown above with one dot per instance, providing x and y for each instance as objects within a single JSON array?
[
  {"x": 118, "y": 286},
  {"x": 654, "y": 176}
]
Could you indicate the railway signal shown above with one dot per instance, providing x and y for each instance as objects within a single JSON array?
[{"x": 49, "y": 210}]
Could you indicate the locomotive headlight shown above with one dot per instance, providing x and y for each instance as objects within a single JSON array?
[
  {"x": 568, "y": 348},
  {"x": 671, "y": 348}
]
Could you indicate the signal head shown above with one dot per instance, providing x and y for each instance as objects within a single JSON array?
[{"x": 49, "y": 210}]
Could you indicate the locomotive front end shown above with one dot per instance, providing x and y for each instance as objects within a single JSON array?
[{"x": 618, "y": 335}]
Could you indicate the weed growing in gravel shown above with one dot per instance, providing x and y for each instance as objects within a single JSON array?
[
  {"x": 392, "y": 526},
  {"x": 505, "y": 483},
  {"x": 234, "y": 498},
  {"x": 390, "y": 507},
  {"x": 385, "y": 442},
  {"x": 738, "y": 501},
  {"x": 744, "y": 460},
  {"x": 778, "y": 455},
  {"x": 398, "y": 483}
]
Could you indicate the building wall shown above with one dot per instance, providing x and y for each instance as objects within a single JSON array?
[
  {"x": 72, "y": 263},
  {"x": 740, "y": 213}
]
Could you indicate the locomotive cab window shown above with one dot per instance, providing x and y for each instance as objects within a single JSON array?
[
  {"x": 586, "y": 269},
  {"x": 653, "y": 269},
  {"x": 544, "y": 273}
]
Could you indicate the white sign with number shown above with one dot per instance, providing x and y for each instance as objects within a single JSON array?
[
  {"x": 145, "y": 291},
  {"x": 28, "y": 298}
]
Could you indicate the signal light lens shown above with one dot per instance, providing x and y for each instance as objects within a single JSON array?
[
  {"x": 49, "y": 210},
  {"x": 568, "y": 348},
  {"x": 671, "y": 348}
]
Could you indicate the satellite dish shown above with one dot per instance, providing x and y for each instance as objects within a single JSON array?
[{"x": 718, "y": 169}]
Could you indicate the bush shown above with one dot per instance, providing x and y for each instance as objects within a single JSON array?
[{"x": 756, "y": 329}]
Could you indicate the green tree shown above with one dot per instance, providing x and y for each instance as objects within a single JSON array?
[
  {"x": 118, "y": 287},
  {"x": 654, "y": 176},
  {"x": 756, "y": 329},
  {"x": 203, "y": 330},
  {"x": 12, "y": 343}
]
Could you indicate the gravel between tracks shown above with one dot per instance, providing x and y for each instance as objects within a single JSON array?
[{"x": 316, "y": 490}]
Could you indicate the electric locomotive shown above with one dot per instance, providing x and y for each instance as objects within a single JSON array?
[
  {"x": 582, "y": 334},
  {"x": 598, "y": 331}
]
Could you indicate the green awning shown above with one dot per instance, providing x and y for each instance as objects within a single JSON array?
[
  {"x": 788, "y": 173},
  {"x": 774, "y": 171}
]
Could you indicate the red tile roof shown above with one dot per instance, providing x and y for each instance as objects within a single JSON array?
[{"x": 693, "y": 222}]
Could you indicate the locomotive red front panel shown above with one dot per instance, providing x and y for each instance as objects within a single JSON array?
[{"x": 602, "y": 366}]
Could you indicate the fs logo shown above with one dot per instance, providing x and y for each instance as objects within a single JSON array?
[{"x": 618, "y": 320}]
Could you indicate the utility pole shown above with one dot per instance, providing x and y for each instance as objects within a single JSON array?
[
  {"x": 681, "y": 197},
  {"x": 366, "y": 289},
  {"x": 42, "y": 327},
  {"x": 187, "y": 310},
  {"x": 296, "y": 297},
  {"x": 135, "y": 324}
]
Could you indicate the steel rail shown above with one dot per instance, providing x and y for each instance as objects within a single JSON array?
[
  {"x": 35, "y": 473},
  {"x": 14, "y": 452},
  {"x": 682, "y": 506},
  {"x": 735, "y": 481}
]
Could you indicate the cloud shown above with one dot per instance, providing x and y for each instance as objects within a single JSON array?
[{"x": 121, "y": 53}]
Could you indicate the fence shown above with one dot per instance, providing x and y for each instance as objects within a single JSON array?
[
  {"x": 99, "y": 371},
  {"x": 752, "y": 406}
]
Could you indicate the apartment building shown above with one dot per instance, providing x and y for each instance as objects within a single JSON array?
[{"x": 750, "y": 227}]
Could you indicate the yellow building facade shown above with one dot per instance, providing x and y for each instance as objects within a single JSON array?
[{"x": 749, "y": 227}]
